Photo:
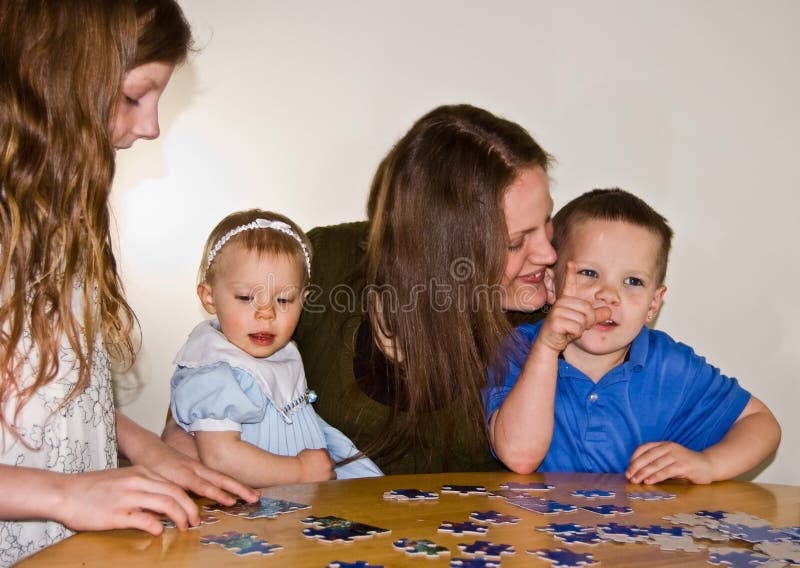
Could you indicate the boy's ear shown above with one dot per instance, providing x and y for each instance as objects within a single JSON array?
[
  {"x": 655, "y": 303},
  {"x": 206, "y": 296}
]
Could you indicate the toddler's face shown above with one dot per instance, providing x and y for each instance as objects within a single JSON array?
[
  {"x": 616, "y": 264},
  {"x": 257, "y": 298}
]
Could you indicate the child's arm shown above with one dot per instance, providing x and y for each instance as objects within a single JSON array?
[
  {"x": 227, "y": 452},
  {"x": 142, "y": 447},
  {"x": 521, "y": 429},
  {"x": 753, "y": 436},
  {"x": 81, "y": 501}
]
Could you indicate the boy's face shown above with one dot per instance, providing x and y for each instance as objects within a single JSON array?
[
  {"x": 616, "y": 264},
  {"x": 257, "y": 299}
]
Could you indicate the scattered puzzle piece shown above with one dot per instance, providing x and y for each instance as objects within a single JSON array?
[
  {"x": 691, "y": 520},
  {"x": 493, "y": 517},
  {"x": 241, "y": 544},
  {"x": 423, "y": 547},
  {"x": 356, "y": 564},
  {"x": 265, "y": 507},
  {"x": 474, "y": 563},
  {"x": 745, "y": 519},
  {"x": 590, "y": 537},
  {"x": 623, "y": 533},
  {"x": 563, "y": 528},
  {"x": 753, "y": 534},
  {"x": 562, "y": 558},
  {"x": 707, "y": 533},
  {"x": 509, "y": 494},
  {"x": 463, "y": 528},
  {"x": 464, "y": 489},
  {"x": 735, "y": 557},
  {"x": 336, "y": 529},
  {"x": 410, "y": 495},
  {"x": 532, "y": 486},
  {"x": 651, "y": 495},
  {"x": 608, "y": 510},
  {"x": 542, "y": 506},
  {"x": 716, "y": 515},
  {"x": 593, "y": 493},
  {"x": 671, "y": 542},
  {"x": 204, "y": 520},
  {"x": 486, "y": 549},
  {"x": 784, "y": 551}
]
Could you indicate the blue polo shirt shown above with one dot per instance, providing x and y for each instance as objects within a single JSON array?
[{"x": 664, "y": 391}]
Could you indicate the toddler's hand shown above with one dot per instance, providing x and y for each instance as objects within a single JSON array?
[
  {"x": 656, "y": 461},
  {"x": 570, "y": 316},
  {"x": 316, "y": 465}
]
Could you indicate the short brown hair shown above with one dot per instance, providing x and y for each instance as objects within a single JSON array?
[{"x": 613, "y": 205}]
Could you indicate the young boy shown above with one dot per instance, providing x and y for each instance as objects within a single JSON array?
[{"x": 599, "y": 391}]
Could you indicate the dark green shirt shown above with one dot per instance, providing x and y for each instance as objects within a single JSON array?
[{"x": 326, "y": 336}]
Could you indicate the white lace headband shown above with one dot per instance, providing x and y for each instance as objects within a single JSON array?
[{"x": 259, "y": 224}]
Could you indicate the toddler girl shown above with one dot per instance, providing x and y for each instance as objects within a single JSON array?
[{"x": 239, "y": 386}]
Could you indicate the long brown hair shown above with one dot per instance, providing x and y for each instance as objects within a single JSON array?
[
  {"x": 436, "y": 248},
  {"x": 62, "y": 65}
]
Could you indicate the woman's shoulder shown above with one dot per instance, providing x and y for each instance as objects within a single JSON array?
[{"x": 343, "y": 236}]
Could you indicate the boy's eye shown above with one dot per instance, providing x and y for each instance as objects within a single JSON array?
[
  {"x": 633, "y": 281},
  {"x": 588, "y": 272}
]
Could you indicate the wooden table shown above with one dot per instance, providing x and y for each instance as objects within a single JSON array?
[{"x": 362, "y": 500}]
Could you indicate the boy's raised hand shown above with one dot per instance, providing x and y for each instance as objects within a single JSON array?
[
  {"x": 656, "y": 461},
  {"x": 570, "y": 316}
]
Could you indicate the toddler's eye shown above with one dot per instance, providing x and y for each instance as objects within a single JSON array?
[
  {"x": 588, "y": 272},
  {"x": 284, "y": 300},
  {"x": 245, "y": 298},
  {"x": 633, "y": 281}
]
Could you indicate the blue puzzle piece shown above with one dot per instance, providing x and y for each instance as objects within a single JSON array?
[
  {"x": 494, "y": 517},
  {"x": 716, "y": 515},
  {"x": 463, "y": 528},
  {"x": 241, "y": 544},
  {"x": 670, "y": 531},
  {"x": 622, "y": 533},
  {"x": 651, "y": 495},
  {"x": 465, "y": 489},
  {"x": 593, "y": 493},
  {"x": 608, "y": 510},
  {"x": 410, "y": 495},
  {"x": 563, "y": 528},
  {"x": 473, "y": 563},
  {"x": 588, "y": 537},
  {"x": 736, "y": 558},
  {"x": 542, "y": 506},
  {"x": 423, "y": 547},
  {"x": 562, "y": 558},
  {"x": 532, "y": 486},
  {"x": 753, "y": 534},
  {"x": 793, "y": 532},
  {"x": 486, "y": 549},
  {"x": 356, "y": 564}
]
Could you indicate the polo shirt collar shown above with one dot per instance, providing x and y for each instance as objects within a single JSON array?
[{"x": 635, "y": 361}]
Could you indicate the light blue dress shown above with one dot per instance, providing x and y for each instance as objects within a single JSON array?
[{"x": 219, "y": 387}]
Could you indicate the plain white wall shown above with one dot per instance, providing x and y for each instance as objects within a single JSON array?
[{"x": 291, "y": 105}]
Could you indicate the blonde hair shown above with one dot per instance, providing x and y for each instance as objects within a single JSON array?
[
  {"x": 62, "y": 65},
  {"x": 262, "y": 241}
]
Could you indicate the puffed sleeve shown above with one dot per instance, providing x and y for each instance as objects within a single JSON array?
[{"x": 215, "y": 398}]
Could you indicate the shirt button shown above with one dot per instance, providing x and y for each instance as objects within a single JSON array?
[{"x": 593, "y": 397}]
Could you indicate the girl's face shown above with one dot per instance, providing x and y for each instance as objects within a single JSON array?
[
  {"x": 136, "y": 114},
  {"x": 257, "y": 298},
  {"x": 527, "y": 206}
]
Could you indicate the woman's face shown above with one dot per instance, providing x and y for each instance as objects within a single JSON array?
[
  {"x": 527, "y": 206},
  {"x": 136, "y": 114}
]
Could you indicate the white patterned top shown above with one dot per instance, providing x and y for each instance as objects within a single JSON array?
[{"x": 78, "y": 437}]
